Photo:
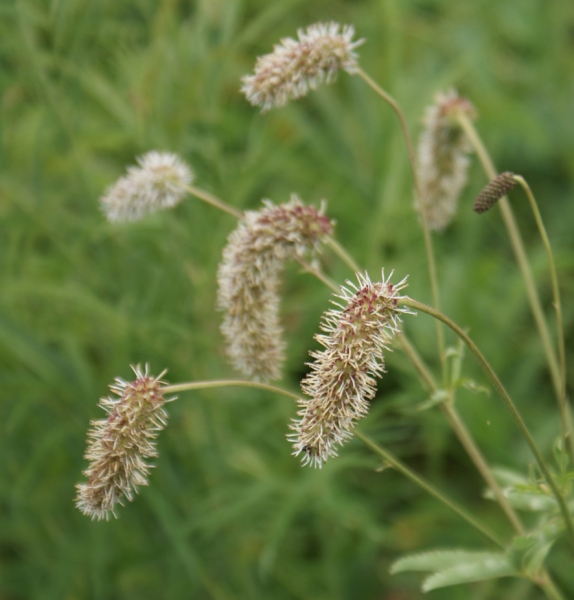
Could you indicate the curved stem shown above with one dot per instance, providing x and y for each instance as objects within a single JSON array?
[
  {"x": 424, "y": 220},
  {"x": 565, "y": 416},
  {"x": 213, "y": 200},
  {"x": 202, "y": 385},
  {"x": 343, "y": 254},
  {"x": 493, "y": 377},
  {"x": 519, "y": 252},
  {"x": 428, "y": 487}
]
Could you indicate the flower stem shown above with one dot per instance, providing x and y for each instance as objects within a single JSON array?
[
  {"x": 567, "y": 431},
  {"x": 428, "y": 487},
  {"x": 343, "y": 254},
  {"x": 319, "y": 275},
  {"x": 493, "y": 377},
  {"x": 424, "y": 220},
  {"x": 213, "y": 200},
  {"x": 202, "y": 385},
  {"x": 519, "y": 251}
]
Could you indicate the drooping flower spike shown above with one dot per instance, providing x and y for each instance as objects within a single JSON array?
[
  {"x": 442, "y": 158},
  {"x": 158, "y": 183},
  {"x": 295, "y": 66},
  {"x": 342, "y": 378},
  {"x": 248, "y": 281},
  {"x": 494, "y": 191},
  {"x": 119, "y": 445}
]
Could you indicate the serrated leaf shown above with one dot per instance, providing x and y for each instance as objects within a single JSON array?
[
  {"x": 436, "y": 560},
  {"x": 489, "y": 565}
]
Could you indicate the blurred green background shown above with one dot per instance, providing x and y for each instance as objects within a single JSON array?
[{"x": 87, "y": 85}]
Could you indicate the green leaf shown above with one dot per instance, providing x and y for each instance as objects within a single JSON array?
[
  {"x": 436, "y": 560},
  {"x": 437, "y": 398},
  {"x": 484, "y": 565}
]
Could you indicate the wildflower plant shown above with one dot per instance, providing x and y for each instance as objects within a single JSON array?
[{"x": 367, "y": 319}]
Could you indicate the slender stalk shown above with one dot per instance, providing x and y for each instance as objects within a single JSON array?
[
  {"x": 519, "y": 252},
  {"x": 424, "y": 221},
  {"x": 463, "y": 435},
  {"x": 493, "y": 377},
  {"x": 343, "y": 254},
  {"x": 549, "y": 587},
  {"x": 202, "y": 385},
  {"x": 565, "y": 415},
  {"x": 319, "y": 275},
  {"x": 428, "y": 487},
  {"x": 213, "y": 200}
]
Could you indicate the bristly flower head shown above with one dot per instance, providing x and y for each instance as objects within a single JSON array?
[
  {"x": 494, "y": 191},
  {"x": 294, "y": 66},
  {"x": 119, "y": 444},
  {"x": 158, "y": 183},
  {"x": 443, "y": 158},
  {"x": 248, "y": 280},
  {"x": 342, "y": 378}
]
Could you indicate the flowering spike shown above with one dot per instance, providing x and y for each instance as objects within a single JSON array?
[
  {"x": 443, "y": 158},
  {"x": 158, "y": 183},
  {"x": 248, "y": 280},
  {"x": 119, "y": 444},
  {"x": 294, "y": 66},
  {"x": 342, "y": 378},
  {"x": 494, "y": 191}
]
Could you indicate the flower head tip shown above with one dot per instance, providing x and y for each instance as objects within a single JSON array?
[
  {"x": 156, "y": 184},
  {"x": 294, "y": 66}
]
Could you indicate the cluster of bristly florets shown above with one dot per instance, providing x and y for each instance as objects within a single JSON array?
[
  {"x": 342, "y": 378},
  {"x": 248, "y": 279},
  {"x": 443, "y": 151},
  {"x": 158, "y": 183},
  {"x": 294, "y": 66},
  {"x": 119, "y": 445}
]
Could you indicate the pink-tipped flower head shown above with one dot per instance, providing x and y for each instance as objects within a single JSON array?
[
  {"x": 119, "y": 445},
  {"x": 158, "y": 183},
  {"x": 443, "y": 158},
  {"x": 249, "y": 278},
  {"x": 342, "y": 382},
  {"x": 294, "y": 66}
]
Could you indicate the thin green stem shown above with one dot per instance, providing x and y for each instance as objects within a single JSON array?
[
  {"x": 213, "y": 200},
  {"x": 343, "y": 254},
  {"x": 428, "y": 487},
  {"x": 549, "y": 587},
  {"x": 463, "y": 434},
  {"x": 319, "y": 275},
  {"x": 202, "y": 385},
  {"x": 519, "y": 251},
  {"x": 499, "y": 387},
  {"x": 565, "y": 416},
  {"x": 424, "y": 220}
]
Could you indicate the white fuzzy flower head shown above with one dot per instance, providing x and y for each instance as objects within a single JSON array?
[
  {"x": 342, "y": 382},
  {"x": 294, "y": 66},
  {"x": 249, "y": 278},
  {"x": 119, "y": 445},
  {"x": 158, "y": 183},
  {"x": 443, "y": 158}
]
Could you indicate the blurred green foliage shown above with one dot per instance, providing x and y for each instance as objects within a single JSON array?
[{"x": 85, "y": 86}]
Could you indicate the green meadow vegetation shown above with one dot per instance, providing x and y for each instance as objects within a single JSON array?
[{"x": 88, "y": 85}]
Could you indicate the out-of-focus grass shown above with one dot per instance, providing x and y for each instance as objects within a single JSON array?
[{"x": 85, "y": 87}]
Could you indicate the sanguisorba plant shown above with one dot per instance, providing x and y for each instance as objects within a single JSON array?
[{"x": 365, "y": 321}]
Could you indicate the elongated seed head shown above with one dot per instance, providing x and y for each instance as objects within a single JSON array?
[
  {"x": 119, "y": 445},
  {"x": 249, "y": 278},
  {"x": 494, "y": 191},
  {"x": 443, "y": 159},
  {"x": 342, "y": 381},
  {"x": 295, "y": 66},
  {"x": 156, "y": 184}
]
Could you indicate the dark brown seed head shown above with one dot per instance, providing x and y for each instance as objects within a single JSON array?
[{"x": 494, "y": 191}]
